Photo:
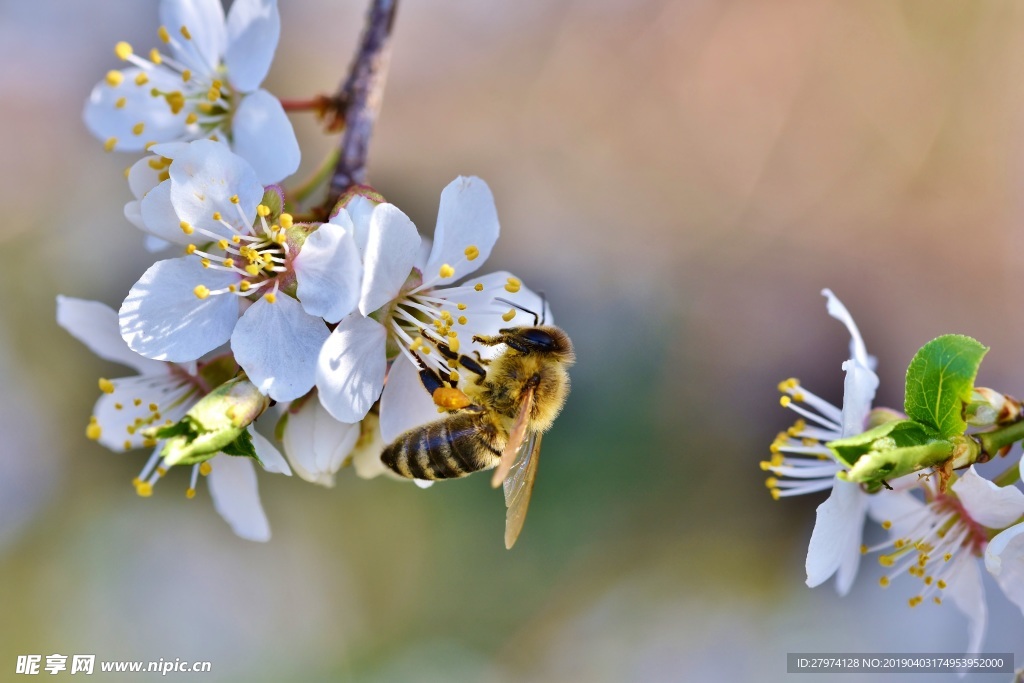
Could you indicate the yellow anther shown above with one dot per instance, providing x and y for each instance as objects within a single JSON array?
[
  {"x": 118, "y": 406},
  {"x": 229, "y": 262},
  {"x": 461, "y": 307},
  {"x": 947, "y": 557},
  {"x": 149, "y": 144},
  {"x": 121, "y": 101},
  {"x": 234, "y": 199},
  {"x": 887, "y": 524},
  {"x": 446, "y": 316},
  {"x": 137, "y": 402},
  {"x": 127, "y": 444},
  {"x": 148, "y": 442},
  {"x": 190, "y": 493},
  {"x": 190, "y": 249},
  {"x": 185, "y": 33},
  {"x": 123, "y": 50},
  {"x": 165, "y": 35},
  {"x": 513, "y": 285},
  {"x": 236, "y": 239},
  {"x": 176, "y": 101},
  {"x": 106, "y": 386},
  {"x": 161, "y": 471},
  {"x": 223, "y": 243},
  {"x": 144, "y": 489},
  {"x": 776, "y": 494},
  {"x": 863, "y": 549},
  {"x": 940, "y": 584},
  {"x": 186, "y": 75},
  {"x": 884, "y": 582},
  {"x": 154, "y": 56},
  {"x": 462, "y": 320},
  {"x": 213, "y": 94},
  {"x": 244, "y": 286},
  {"x": 771, "y": 482},
  {"x": 509, "y": 315},
  {"x": 937, "y": 600},
  {"x": 287, "y": 220},
  {"x": 201, "y": 291},
  {"x": 191, "y": 118},
  {"x": 453, "y": 344},
  {"x": 263, "y": 210},
  {"x": 216, "y": 215},
  {"x": 446, "y": 271},
  {"x": 205, "y": 469},
  {"x": 93, "y": 431},
  {"x": 899, "y": 544},
  {"x": 453, "y": 375},
  {"x": 153, "y": 407},
  {"x": 138, "y": 128},
  {"x": 471, "y": 253},
  {"x": 218, "y": 83},
  {"x": 788, "y": 384},
  {"x": 141, "y": 79},
  {"x": 281, "y": 238},
  {"x": 110, "y": 144},
  {"x": 114, "y": 78},
  {"x": 187, "y": 228},
  {"x": 270, "y": 297},
  {"x": 252, "y": 269},
  {"x": 785, "y": 401},
  {"x": 205, "y": 262},
  {"x": 885, "y": 560}
]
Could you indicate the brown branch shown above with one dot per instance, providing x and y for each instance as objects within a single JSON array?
[{"x": 361, "y": 94}]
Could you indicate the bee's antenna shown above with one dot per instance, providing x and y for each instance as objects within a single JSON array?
[{"x": 536, "y": 318}]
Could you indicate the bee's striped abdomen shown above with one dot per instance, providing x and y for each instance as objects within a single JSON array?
[{"x": 445, "y": 449}]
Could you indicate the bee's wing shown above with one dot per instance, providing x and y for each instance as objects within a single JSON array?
[
  {"x": 519, "y": 487},
  {"x": 515, "y": 438}
]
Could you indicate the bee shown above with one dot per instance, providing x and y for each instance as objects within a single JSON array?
[{"x": 497, "y": 420}]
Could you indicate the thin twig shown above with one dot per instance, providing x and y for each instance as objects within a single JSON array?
[{"x": 362, "y": 92}]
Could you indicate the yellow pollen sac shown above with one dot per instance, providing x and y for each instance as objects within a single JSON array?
[
  {"x": 244, "y": 286},
  {"x": 176, "y": 101},
  {"x": 236, "y": 239},
  {"x": 114, "y": 78},
  {"x": 127, "y": 444},
  {"x": 144, "y": 489},
  {"x": 462, "y": 320},
  {"x": 161, "y": 471},
  {"x": 186, "y": 75},
  {"x": 937, "y": 600},
  {"x": 232, "y": 288},
  {"x": 118, "y": 406},
  {"x": 190, "y": 249},
  {"x": 450, "y": 398},
  {"x": 229, "y": 262},
  {"x": 446, "y": 271},
  {"x": 138, "y": 128},
  {"x": 188, "y": 230},
  {"x": 234, "y": 199},
  {"x": 93, "y": 431},
  {"x": 863, "y": 549},
  {"x": 205, "y": 262},
  {"x": 121, "y": 101},
  {"x": 216, "y": 215},
  {"x": 453, "y": 344},
  {"x": 788, "y": 384},
  {"x": 201, "y": 291},
  {"x": 213, "y": 94},
  {"x": 513, "y": 285},
  {"x": 785, "y": 401},
  {"x": 109, "y": 145},
  {"x": 141, "y": 79},
  {"x": 191, "y": 118},
  {"x": 137, "y": 402},
  {"x": 185, "y": 34},
  {"x": 123, "y": 50},
  {"x": 252, "y": 269},
  {"x": 887, "y": 524},
  {"x": 263, "y": 210},
  {"x": 205, "y": 468},
  {"x": 885, "y": 560},
  {"x": 940, "y": 584},
  {"x": 190, "y": 493},
  {"x": 454, "y": 376},
  {"x": 776, "y": 494},
  {"x": 153, "y": 407},
  {"x": 148, "y": 442},
  {"x": 287, "y": 220},
  {"x": 479, "y": 286},
  {"x": 461, "y": 307},
  {"x": 509, "y": 315},
  {"x": 446, "y": 316},
  {"x": 164, "y": 34},
  {"x": 270, "y": 297},
  {"x": 154, "y": 56},
  {"x": 106, "y": 386},
  {"x": 222, "y": 243},
  {"x": 884, "y": 582},
  {"x": 471, "y": 253},
  {"x": 149, "y": 145}
]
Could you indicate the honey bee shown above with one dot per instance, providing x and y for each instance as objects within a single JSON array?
[{"x": 497, "y": 420}]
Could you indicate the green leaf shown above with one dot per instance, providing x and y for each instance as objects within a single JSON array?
[
  {"x": 886, "y": 436},
  {"x": 940, "y": 381}
]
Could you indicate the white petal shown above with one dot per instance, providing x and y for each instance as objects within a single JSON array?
[
  {"x": 277, "y": 344},
  {"x": 163, "y": 319},
  {"x": 254, "y": 27},
  {"x": 106, "y": 120},
  {"x": 484, "y": 314},
  {"x": 351, "y": 367},
  {"x": 837, "y": 310},
  {"x": 1004, "y": 559},
  {"x": 965, "y": 589},
  {"x": 837, "y": 533},
  {"x": 992, "y": 506},
  {"x": 271, "y": 458},
  {"x": 405, "y": 402},
  {"x": 236, "y": 497},
  {"x": 204, "y": 178},
  {"x": 120, "y": 413},
  {"x": 858, "y": 392},
  {"x": 159, "y": 218},
  {"x": 95, "y": 325},
  {"x": 263, "y": 135},
  {"x": 328, "y": 272},
  {"x": 204, "y": 20},
  {"x": 298, "y": 443},
  {"x": 360, "y": 211},
  {"x": 334, "y": 440},
  {"x": 154, "y": 244},
  {"x": 467, "y": 217},
  {"x": 142, "y": 177},
  {"x": 390, "y": 252}
]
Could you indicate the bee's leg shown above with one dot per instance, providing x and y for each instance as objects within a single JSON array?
[
  {"x": 430, "y": 379},
  {"x": 465, "y": 361},
  {"x": 510, "y": 340}
]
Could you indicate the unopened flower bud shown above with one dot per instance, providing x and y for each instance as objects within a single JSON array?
[{"x": 989, "y": 407}]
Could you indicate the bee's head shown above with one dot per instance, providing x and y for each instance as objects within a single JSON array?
[{"x": 545, "y": 340}]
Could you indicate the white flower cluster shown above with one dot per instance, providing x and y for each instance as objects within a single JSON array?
[
  {"x": 330, "y": 319},
  {"x": 939, "y": 537}
]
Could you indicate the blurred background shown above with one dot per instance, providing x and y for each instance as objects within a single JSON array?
[{"x": 682, "y": 178}]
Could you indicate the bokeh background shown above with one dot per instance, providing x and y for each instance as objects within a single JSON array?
[{"x": 681, "y": 177}]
